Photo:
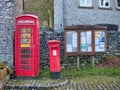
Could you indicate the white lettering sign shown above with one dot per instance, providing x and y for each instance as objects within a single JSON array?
[{"x": 26, "y": 21}]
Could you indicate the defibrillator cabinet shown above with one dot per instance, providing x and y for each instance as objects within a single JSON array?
[{"x": 27, "y": 46}]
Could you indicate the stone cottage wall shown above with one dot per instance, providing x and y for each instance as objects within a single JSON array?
[
  {"x": 58, "y": 13},
  {"x": 113, "y": 42},
  {"x": 45, "y": 35},
  {"x": 9, "y": 9},
  {"x": 6, "y": 30},
  {"x": 74, "y": 15}
]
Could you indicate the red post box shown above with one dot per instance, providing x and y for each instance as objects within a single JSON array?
[
  {"x": 54, "y": 56},
  {"x": 27, "y": 46}
]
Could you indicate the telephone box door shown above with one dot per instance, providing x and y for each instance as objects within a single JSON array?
[{"x": 25, "y": 37}]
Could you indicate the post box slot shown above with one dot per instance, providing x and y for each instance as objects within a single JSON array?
[{"x": 55, "y": 46}]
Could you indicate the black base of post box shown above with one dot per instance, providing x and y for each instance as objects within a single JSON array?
[{"x": 55, "y": 75}]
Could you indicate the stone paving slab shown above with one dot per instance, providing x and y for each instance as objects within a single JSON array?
[
  {"x": 25, "y": 84},
  {"x": 80, "y": 83},
  {"x": 94, "y": 83}
]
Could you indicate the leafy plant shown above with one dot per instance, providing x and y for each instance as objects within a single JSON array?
[
  {"x": 2, "y": 65},
  {"x": 42, "y": 8}
]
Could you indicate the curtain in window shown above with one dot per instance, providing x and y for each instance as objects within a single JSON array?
[
  {"x": 105, "y": 3},
  {"x": 118, "y": 3}
]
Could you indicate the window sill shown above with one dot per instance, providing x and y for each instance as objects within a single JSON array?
[
  {"x": 105, "y": 8},
  {"x": 118, "y": 8},
  {"x": 86, "y": 7}
]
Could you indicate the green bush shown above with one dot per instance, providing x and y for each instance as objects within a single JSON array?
[{"x": 2, "y": 65}]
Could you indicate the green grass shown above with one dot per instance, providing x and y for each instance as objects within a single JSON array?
[
  {"x": 44, "y": 74},
  {"x": 84, "y": 72}
]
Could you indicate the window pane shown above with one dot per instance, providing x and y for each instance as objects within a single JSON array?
[
  {"x": 86, "y": 41},
  {"x": 85, "y": 2},
  {"x": 71, "y": 41},
  {"x": 99, "y": 41},
  {"x": 26, "y": 30},
  {"x": 118, "y": 3},
  {"x": 88, "y": 2},
  {"x": 102, "y": 3},
  {"x": 25, "y": 37},
  {"x": 105, "y": 3},
  {"x": 82, "y": 2}
]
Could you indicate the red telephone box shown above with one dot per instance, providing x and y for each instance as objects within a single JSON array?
[
  {"x": 54, "y": 56},
  {"x": 27, "y": 46}
]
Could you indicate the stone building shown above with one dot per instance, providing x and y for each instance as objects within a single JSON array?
[
  {"x": 91, "y": 12},
  {"x": 66, "y": 12},
  {"x": 86, "y": 12},
  {"x": 9, "y": 9}
]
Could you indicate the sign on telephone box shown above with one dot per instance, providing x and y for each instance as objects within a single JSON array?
[
  {"x": 27, "y": 46},
  {"x": 54, "y": 56}
]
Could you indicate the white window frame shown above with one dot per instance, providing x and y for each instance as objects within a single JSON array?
[
  {"x": 85, "y": 4},
  {"x": 104, "y": 6},
  {"x": 118, "y": 7}
]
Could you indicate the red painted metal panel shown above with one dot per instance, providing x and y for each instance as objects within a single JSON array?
[
  {"x": 27, "y": 45},
  {"x": 54, "y": 55}
]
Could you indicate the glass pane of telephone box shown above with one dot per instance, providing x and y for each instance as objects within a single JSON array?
[
  {"x": 26, "y": 37},
  {"x": 26, "y": 30},
  {"x": 71, "y": 41}
]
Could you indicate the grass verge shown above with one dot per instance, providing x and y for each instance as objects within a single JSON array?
[{"x": 85, "y": 71}]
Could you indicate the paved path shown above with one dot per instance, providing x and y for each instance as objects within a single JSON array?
[
  {"x": 81, "y": 83},
  {"x": 3, "y": 82},
  {"x": 25, "y": 84}
]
